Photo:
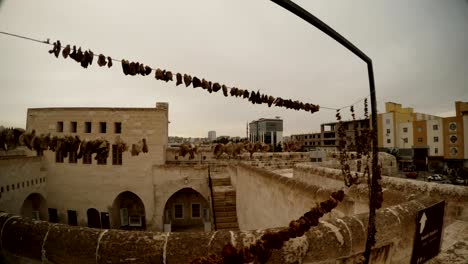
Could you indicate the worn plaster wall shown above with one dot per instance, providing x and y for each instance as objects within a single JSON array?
[
  {"x": 266, "y": 200},
  {"x": 78, "y": 186},
  {"x": 168, "y": 179},
  {"x": 339, "y": 240},
  {"x": 20, "y": 177},
  {"x": 396, "y": 190}
]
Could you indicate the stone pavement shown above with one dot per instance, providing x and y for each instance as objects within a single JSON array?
[{"x": 454, "y": 248}]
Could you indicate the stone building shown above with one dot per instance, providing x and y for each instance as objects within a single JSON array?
[{"x": 126, "y": 190}]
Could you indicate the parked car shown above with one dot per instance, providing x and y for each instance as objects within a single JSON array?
[
  {"x": 411, "y": 175},
  {"x": 458, "y": 181},
  {"x": 435, "y": 177}
]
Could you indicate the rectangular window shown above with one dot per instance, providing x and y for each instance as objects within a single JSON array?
[
  {"x": 73, "y": 126},
  {"x": 388, "y": 131},
  {"x": 87, "y": 159},
  {"x": 389, "y": 141},
  {"x": 196, "y": 210},
  {"x": 60, "y": 126},
  {"x": 117, "y": 127},
  {"x": 72, "y": 157},
  {"x": 53, "y": 215},
  {"x": 178, "y": 211},
  {"x": 134, "y": 220},
  {"x": 87, "y": 127},
  {"x": 436, "y": 139},
  {"x": 102, "y": 127},
  {"x": 435, "y": 127},
  {"x": 72, "y": 219},
  {"x": 116, "y": 155},
  {"x": 436, "y": 150},
  {"x": 123, "y": 217},
  {"x": 405, "y": 130},
  {"x": 420, "y": 139},
  {"x": 35, "y": 215},
  {"x": 405, "y": 140},
  {"x": 58, "y": 157}
]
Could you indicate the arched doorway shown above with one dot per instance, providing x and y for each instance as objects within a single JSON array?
[
  {"x": 128, "y": 212},
  {"x": 94, "y": 220},
  {"x": 35, "y": 206},
  {"x": 186, "y": 211}
]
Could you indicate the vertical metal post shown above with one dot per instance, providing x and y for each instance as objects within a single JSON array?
[{"x": 311, "y": 19}]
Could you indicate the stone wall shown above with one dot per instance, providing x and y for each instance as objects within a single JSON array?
[
  {"x": 20, "y": 177},
  {"x": 396, "y": 190},
  {"x": 339, "y": 240},
  {"x": 284, "y": 199},
  {"x": 168, "y": 179},
  {"x": 78, "y": 186}
]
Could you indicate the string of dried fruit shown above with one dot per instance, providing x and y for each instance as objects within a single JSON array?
[
  {"x": 262, "y": 249},
  {"x": 133, "y": 68}
]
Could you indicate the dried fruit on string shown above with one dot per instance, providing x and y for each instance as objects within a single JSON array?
[
  {"x": 168, "y": 76},
  {"x": 225, "y": 90},
  {"x": 148, "y": 70},
  {"x": 178, "y": 79},
  {"x": 66, "y": 51},
  {"x": 159, "y": 75},
  {"x": 233, "y": 91},
  {"x": 79, "y": 55},
  {"x": 196, "y": 82},
  {"x": 73, "y": 54},
  {"x": 101, "y": 60},
  {"x": 246, "y": 94},
  {"x": 216, "y": 87},
  {"x": 109, "y": 61},
  {"x": 204, "y": 84},
  {"x": 187, "y": 80},
  {"x": 125, "y": 67},
  {"x": 271, "y": 99}
]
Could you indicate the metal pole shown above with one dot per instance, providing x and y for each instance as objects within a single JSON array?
[{"x": 311, "y": 19}]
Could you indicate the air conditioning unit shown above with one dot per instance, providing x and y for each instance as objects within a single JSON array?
[{"x": 452, "y": 127}]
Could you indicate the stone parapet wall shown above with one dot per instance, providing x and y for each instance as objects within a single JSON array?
[
  {"x": 456, "y": 197},
  {"x": 339, "y": 240},
  {"x": 20, "y": 176}
]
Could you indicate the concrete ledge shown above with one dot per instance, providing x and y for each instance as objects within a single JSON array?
[{"x": 332, "y": 241}]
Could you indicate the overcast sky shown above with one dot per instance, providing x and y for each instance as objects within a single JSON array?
[{"x": 419, "y": 49}]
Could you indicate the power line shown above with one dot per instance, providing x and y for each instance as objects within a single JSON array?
[{"x": 117, "y": 60}]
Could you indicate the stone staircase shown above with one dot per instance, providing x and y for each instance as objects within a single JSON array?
[{"x": 224, "y": 204}]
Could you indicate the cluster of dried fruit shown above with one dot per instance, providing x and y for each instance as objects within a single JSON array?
[
  {"x": 262, "y": 249},
  {"x": 85, "y": 58}
]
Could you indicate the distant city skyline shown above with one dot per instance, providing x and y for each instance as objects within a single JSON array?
[{"x": 418, "y": 49}]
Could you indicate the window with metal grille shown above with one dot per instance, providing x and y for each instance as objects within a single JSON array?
[
  {"x": 60, "y": 126},
  {"x": 87, "y": 127},
  {"x": 73, "y": 126},
  {"x": 196, "y": 210},
  {"x": 58, "y": 157},
  {"x": 116, "y": 155},
  {"x": 117, "y": 127},
  {"x": 178, "y": 211}
]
